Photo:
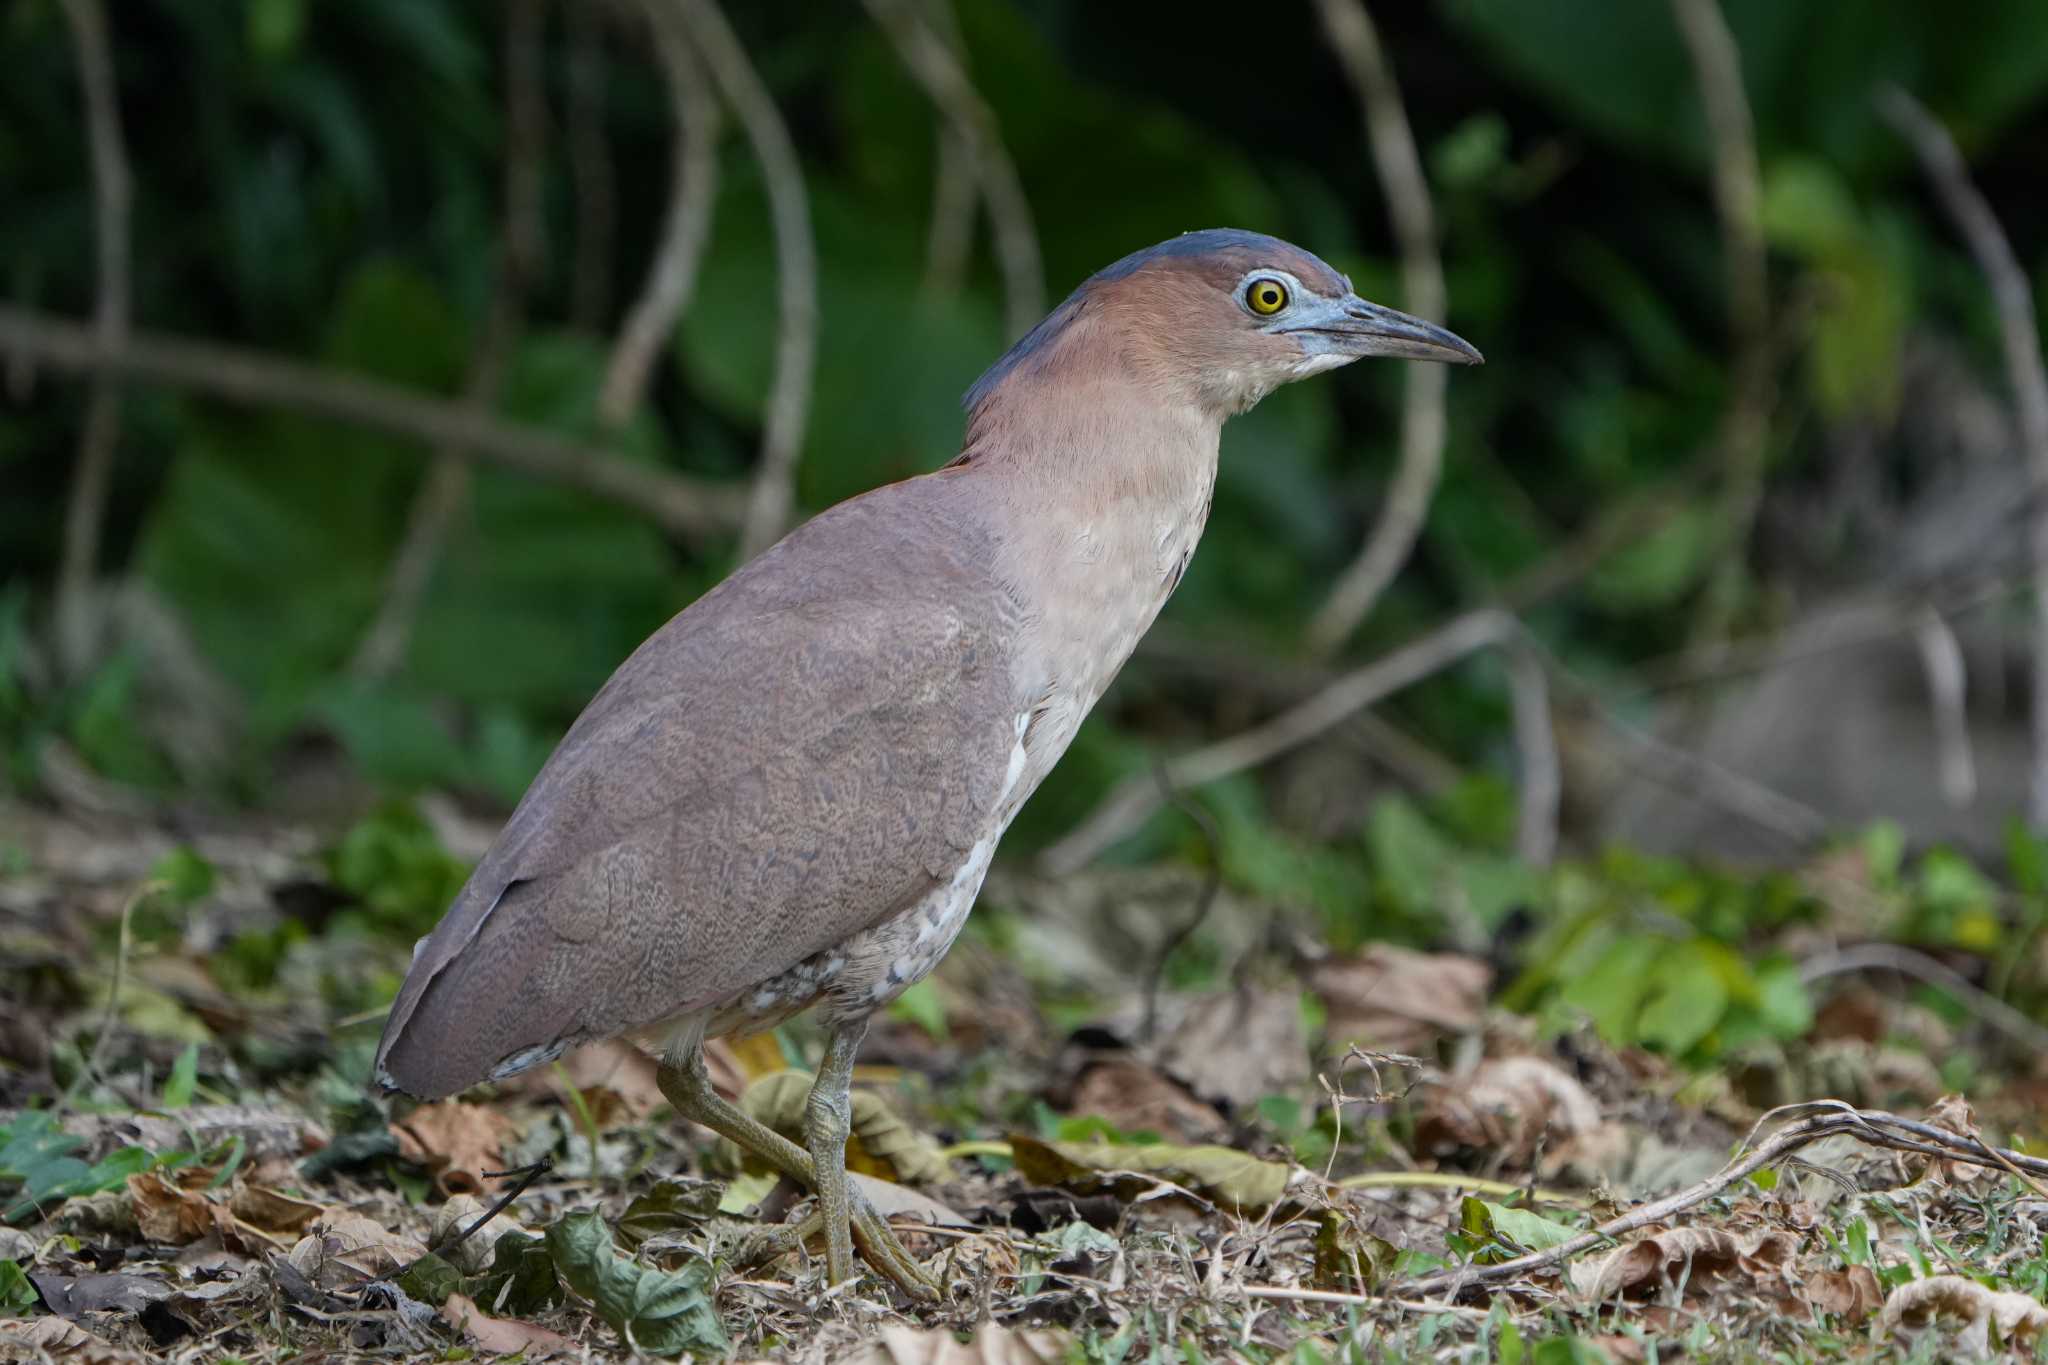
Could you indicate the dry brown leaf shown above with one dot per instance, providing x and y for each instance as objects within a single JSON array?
[
  {"x": 1398, "y": 1000},
  {"x": 343, "y": 1247},
  {"x": 1237, "y": 1046},
  {"x": 1508, "y": 1106},
  {"x": 473, "y": 1252},
  {"x": 1699, "y": 1257},
  {"x": 168, "y": 1214},
  {"x": 1979, "y": 1311},
  {"x": 456, "y": 1141},
  {"x": 31, "y": 1338},
  {"x": 992, "y": 1345},
  {"x": 1135, "y": 1098},
  {"x": 503, "y": 1336},
  {"x": 270, "y": 1210},
  {"x": 1853, "y": 1293}
]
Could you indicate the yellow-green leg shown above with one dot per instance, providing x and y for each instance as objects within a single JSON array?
[
  {"x": 683, "y": 1080},
  {"x": 828, "y": 1116}
]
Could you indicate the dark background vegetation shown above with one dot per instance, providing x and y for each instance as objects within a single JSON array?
[{"x": 1788, "y": 680}]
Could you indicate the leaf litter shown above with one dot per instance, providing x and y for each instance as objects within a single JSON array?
[{"x": 1360, "y": 1154}]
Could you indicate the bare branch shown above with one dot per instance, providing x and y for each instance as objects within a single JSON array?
[
  {"x": 693, "y": 191},
  {"x": 1542, "y": 784},
  {"x": 1745, "y": 427},
  {"x": 1831, "y": 1118},
  {"x": 1893, "y": 957},
  {"x": 93, "y": 473},
  {"x": 1941, "y": 659},
  {"x": 2020, "y": 331},
  {"x": 1132, "y": 802},
  {"x": 955, "y": 176},
  {"x": 590, "y": 167},
  {"x": 1358, "y": 48},
  {"x": 694, "y": 509},
  {"x": 447, "y": 485},
  {"x": 796, "y": 345},
  {"x": 944, "y": 77}
]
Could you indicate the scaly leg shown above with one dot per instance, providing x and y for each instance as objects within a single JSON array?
[
  {"x": 683, "y": 1080},
  {"x": 828, "y": 1116}
]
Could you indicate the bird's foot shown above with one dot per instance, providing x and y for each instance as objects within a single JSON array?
[
  {"x": 879, "y": 1247},
  {"x": 886, "y": 1255}
]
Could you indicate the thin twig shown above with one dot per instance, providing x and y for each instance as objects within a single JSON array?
[
  {"x": 691, "y": 508},
  {"x": 1799, "y": 824},
  {"x": 1132, "y": 802},
  {"x": 590, "y": 167},
  {"x": 113, "y": 1009},
  {"x": 1541, "y": 787},
  {"x": 1874, "y": 1127},
  {"x": 693, "y": 191},
  {"x": 1358, "y": 48},
  {"x": 938, "y": 67},
  {"x": 446, "y": 488},
  {"x": 2020, "y": 331},
  {"x": 1941, "y": 660},
  {"x": 93, "y": 473},
  {"x": 796, "y": 343},
  {"x": 1745, "y": 426},
  {"x": 1205, "y": 900},
  {"x": 1892, "y": 957},
  {"x": 955, "y": 177}
]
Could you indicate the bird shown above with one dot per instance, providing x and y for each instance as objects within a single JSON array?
[{"x": 788, "y": 796}]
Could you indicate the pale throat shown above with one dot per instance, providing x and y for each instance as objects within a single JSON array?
[{"x": 1114, "y": 494}]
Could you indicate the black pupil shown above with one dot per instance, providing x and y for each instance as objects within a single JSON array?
[{"x": 1268, "y": 296}]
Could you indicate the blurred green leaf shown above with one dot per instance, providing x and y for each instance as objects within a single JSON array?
[{"x": 183, "y": 1080}]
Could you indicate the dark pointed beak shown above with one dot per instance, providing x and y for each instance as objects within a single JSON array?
[{"x": 1356, "y": 327}]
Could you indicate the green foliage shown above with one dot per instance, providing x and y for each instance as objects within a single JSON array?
[
  {"x": 183, "y": 1080},
  {"x": 1517, "y": 1230},
  {"x": 39, "y": 1172},
  {"x": 392, "y": 863},
  {"x": 17, "y": 1295},
  {"x": 662, "y": 1312}
]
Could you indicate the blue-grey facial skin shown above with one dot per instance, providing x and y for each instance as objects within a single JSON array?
[{"x": 1351, "y": 328}]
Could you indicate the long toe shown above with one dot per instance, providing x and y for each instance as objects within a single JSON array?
[{"x": 881, "y": 1249}]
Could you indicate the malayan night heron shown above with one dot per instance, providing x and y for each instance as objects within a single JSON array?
[{"x": 789, "y": 795}]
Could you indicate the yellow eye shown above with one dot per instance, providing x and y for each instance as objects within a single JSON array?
[{"x": 1265, "y": 297}]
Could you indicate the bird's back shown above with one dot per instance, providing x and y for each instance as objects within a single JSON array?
[{"x": 806, "y": 750}]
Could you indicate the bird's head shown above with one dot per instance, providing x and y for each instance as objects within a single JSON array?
[{"x": 1222, "y": 318}]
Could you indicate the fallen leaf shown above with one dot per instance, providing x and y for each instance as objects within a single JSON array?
[
  {"x": 1135, "y": 1098},
  {"x": 503, "y": 1336},
  {"x": 1507, "y": 1107},
  {"x": 1236, "y": 1047},
  {"x": 615, "y": 1078},
  {"x": 990, "y": 1345},
  {"x": 343, "y": 1247},
  {"x": 1519, "y": 1227},
  {"x": 69, "y": 1296},
  {"x": 892, "y": 1200},
  {"x": 1853, "y": 1293},
  {"x": 270, "y": 1210},
  {"x": 168, "y": 1214},
  {"x": 34, "y": 1338},
  {"x": 1700, "y": 1257},
  {"x": 662, "y": 1312},
  {"x": 1241, "y": 1182},
  {"x": 474, "y": 1250},
  {"x": 456, "y": 1141},
  {"x": 1980, "y": 1311},
  {"x": 673, "y": 1204},
  {"x": 1391, "y": 999},
  {"x": 881, "y": 1143}
]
